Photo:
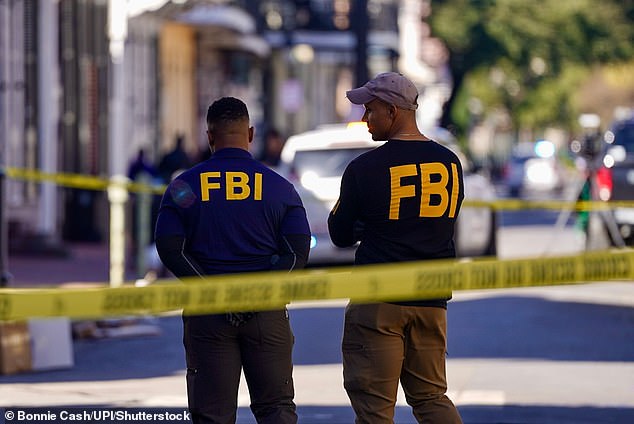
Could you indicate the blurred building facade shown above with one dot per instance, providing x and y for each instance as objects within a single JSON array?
[
  {"x": 54, "y": 103},
  {"x": 290, "y": 61}
]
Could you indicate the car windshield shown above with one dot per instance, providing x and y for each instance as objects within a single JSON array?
[
  {"x": 515, "y": 160},
  {"x": 325, "y": 163},
  {"x": 624, "y": 136}
]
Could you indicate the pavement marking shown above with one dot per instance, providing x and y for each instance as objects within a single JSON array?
[
  {"x": 466, "y": 397},
  {"x": 478, "y": 397},
  {"x": 604, "y": 293},
  {"x": 471, "y": 382}
]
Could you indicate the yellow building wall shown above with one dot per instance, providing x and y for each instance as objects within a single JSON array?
[{"x": 177, "y": 85}]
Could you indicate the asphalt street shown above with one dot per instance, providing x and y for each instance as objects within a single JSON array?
[{"x": 561, "y": 354}]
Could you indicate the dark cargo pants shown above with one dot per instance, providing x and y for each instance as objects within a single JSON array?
[{"x": 216, "y": 352}]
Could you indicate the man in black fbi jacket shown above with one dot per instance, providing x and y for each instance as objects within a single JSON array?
[
  {"x": 232, "y": 214},
  {"x": 400, "y": 201}
]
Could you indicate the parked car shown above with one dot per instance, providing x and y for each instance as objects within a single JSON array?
[
  {"x": 614, "y": 177},
  {"x": 315, "y": 160},
  {"x": 533, "y": 169}
]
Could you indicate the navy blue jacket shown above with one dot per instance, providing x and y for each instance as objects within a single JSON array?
[{"x": 233, "y": 213}]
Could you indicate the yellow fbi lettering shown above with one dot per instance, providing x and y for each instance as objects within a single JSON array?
[
  {"x": 447, "y": 193},
  {"x": 237, "y": 185}
]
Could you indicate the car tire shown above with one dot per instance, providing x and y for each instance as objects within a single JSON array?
[
  {"x": 514, "y": 192},
  {"x": 492, "y": 247}
]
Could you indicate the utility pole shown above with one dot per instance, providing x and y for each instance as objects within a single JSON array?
[
  {"x": 48, "y": 115},
  {"x": 5, "y": 276},
  {"x": 6, "y": 84},
  {"x": 117, "y": 191},
  {"x": 360, "y": 23}
]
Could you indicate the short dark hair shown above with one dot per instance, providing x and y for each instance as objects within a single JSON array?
[{"x": 225, "y": 110}]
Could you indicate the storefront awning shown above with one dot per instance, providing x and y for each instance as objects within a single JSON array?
[{"x": 233, "y": 28}]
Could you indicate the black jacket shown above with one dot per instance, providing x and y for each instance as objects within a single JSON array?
[{"x": 401, "y": 201}]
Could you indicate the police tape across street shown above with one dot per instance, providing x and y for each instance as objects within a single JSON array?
[
  {"x": 270, "y": 290},
  {"x": 91, "y": 182},
  {"x": 261, "y": 291}
]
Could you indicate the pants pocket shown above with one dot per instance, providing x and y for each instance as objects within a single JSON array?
[
  {"x": 191, "y": 378},
  {"x": 356, "y": 367}
]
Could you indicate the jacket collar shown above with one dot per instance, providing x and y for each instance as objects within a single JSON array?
[{"x": 232, "y": 152}]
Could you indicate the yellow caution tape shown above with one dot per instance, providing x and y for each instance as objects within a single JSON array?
[
  {"x": 270, "y": 290},
  {"x": 80, "y": 181},
  {"x": 88, "y": 182},
  {"x": 522, "y": 204}
]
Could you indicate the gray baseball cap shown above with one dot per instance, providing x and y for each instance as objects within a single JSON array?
[{"x": 391, "y": 87}]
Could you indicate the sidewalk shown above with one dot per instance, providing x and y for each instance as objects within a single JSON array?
[{"x": 86, "y": 263}]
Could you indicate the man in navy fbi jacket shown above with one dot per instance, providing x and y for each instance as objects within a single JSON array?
[{"x": 232, "y": 214}]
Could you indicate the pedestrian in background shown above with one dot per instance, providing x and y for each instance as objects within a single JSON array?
[
  {"x": 401, "y": 201},
  {"x": 174, "y": 161},
  {"x": 140, "y": 166},
  {"x": 141, "y": 171},
  {"x": 232, "y": 214},
  {"x": 273, "y": 145}
]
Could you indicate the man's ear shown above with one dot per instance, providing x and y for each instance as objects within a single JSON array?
[
  {"x": 392, "y": 110},
  {"x": 251, "y": 133},
  {"x": 210, "y": 139}
]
